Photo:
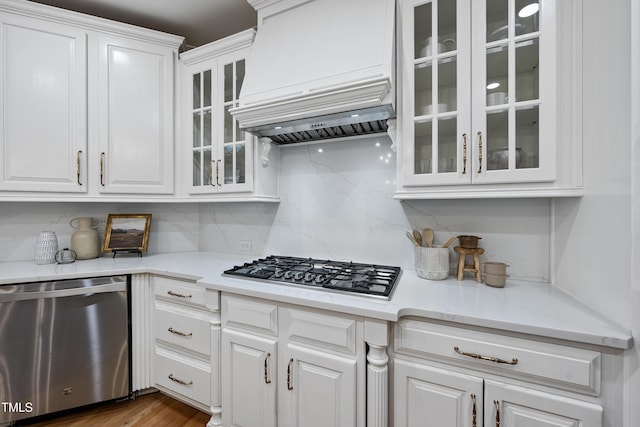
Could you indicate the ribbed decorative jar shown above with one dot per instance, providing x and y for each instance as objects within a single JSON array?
[{"x": 46, "y": 248}]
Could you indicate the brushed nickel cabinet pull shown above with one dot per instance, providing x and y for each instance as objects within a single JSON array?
[
  {"x": 78, "y": 166},
  {"x": 179, "y": 381},
  {"x": 479, "y": 152},
  {"x": 102, "y": 169},
  {"x": 182, "y": 334},
  {"x": 267, "y": 380},
  {"x": 474, "y": 412},
  {"x": 488, "y": 358},
  {"x": 496, "y": 403},
  {"x": 464, "y": 153},
  {"x": 289, "y": 382},
  {"x": 173, "y": 294}
]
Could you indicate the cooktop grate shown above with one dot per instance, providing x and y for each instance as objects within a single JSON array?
[{"x": 341, "y": 276}]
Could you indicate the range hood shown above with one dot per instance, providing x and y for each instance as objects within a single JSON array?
[{"x": 319, "y": 69}]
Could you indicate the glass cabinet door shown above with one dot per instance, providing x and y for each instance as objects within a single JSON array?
[
  {"x": 439, "y": 90},
  {"x": 203, "y": 116},
  {"x": 234, "y": 146},
  {"x": 509, "y": 114},
  {"x": 221, "y": 151}
]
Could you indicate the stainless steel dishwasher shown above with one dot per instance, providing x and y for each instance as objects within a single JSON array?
[{"x": 63, "y": 345}]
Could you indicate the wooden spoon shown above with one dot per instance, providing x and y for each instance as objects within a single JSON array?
[
  {"x": 427, "y": 237},
  {"x": 450, "y": 241},
  {"x": 418, "y": 237},
  {"x": 413, "y": 240}
]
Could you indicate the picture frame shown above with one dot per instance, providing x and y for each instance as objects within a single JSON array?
[{"x": 126, "y": 233}]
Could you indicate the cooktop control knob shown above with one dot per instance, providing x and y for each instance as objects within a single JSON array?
[
  {"x": 288, "y": 274},
  {"x": 308, "y": 277},
  {"x": 299, "y": 275}
]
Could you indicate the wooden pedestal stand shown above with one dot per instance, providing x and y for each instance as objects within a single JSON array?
[{"x": 462, "y": 264}]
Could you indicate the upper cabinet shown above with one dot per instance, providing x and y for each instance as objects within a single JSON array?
[
  {"x": 88, "y": 106},
  {"x": 134, "y": 80},
  {"x": 222, "y": 161},
  {"x": 488, "y": 101},
  {"x": 44, "y": 106}
]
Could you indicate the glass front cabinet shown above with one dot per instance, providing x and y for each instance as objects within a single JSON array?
[
  {"x": 220, "y": 154},
  {"x": 479, "y": 100}
]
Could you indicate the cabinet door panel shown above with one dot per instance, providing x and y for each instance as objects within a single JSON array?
[
  {"x": 248, "y": 380},
  {"x": 521, "y": 407},
  {"x": 426, "y": 396},
  {"x": 319, "y": 389},
  {"x": 43, "y": 123},
  {"x": 135, "y": 117}
]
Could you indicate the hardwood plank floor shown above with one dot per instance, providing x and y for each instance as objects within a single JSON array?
[{"x": 154, "y": 409}]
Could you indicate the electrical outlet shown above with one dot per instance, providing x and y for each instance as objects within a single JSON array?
[{"x": 244, "y": 245}]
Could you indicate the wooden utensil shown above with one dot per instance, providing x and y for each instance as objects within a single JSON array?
[
  {"x": 449, "y": 241},
  {"x": 427, "y": 237},
  {"x": 413, "y": 240},
  {"x": 418, "y": 237}
]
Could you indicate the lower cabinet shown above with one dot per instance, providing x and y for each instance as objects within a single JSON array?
[
  {"x": 290, "y": 366},
  {"x": 186, "y": 325},
  {"x": 506, "y": 381}
]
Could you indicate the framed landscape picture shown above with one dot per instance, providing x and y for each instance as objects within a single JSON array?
[{"x": 127, "y": 232}]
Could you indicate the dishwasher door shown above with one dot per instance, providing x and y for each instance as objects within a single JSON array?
[{"x": 63, "y": 345}]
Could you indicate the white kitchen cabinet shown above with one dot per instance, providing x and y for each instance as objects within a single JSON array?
[
  {"x": 487, "y": 107},
  {"x": 43, "y": 131},
  {"x": 289, "y": 365},
  {"x": 186, "y": 331},
  {"x": 221, "y": 159},
  {"x": 88, "y": 106},
  {"x": 250, "y": 363},
  {"x": 135, "y": 135},
  {"x": 447, "y": 376}
]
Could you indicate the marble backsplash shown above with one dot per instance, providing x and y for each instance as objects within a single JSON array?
[{"x": 336, "y": 202}]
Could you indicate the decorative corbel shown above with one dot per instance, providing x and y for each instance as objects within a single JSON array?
[
  {"x": 265, "y": 149},
  {"x": 391, "y": 131}
]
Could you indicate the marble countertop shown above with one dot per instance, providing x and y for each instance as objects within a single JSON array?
[{"x": 537, "y": 309}]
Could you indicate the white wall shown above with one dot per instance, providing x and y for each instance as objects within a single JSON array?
[{"x": 592, "y": 234}]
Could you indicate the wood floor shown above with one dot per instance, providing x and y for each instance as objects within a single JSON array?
[{"x": 149, "y": 410}]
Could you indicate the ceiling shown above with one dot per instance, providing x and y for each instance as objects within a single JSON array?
[{"x": 199, "y": 21}]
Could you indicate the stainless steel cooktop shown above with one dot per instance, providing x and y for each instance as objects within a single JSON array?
[{"x": 341, "y": 276}]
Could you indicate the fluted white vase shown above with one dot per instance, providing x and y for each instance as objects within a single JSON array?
[{"x": 46, "y": 248}]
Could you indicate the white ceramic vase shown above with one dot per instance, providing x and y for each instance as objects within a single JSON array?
[{"x": 46, "y": 248}]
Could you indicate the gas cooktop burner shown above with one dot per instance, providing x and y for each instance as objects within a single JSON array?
[{"x": 364, "y": 279}]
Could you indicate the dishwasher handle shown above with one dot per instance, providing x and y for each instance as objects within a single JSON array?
[{"x": 60, "y": 293}]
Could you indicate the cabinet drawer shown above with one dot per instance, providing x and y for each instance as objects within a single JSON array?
[
  {"x": 190, "y": 330},
  {"x": 250, "y": 314},
  {"x": 179, "y": 291},
  {"x": 310, "y": 327},
  {"x": 561, "y": 365},
  {"x": 188, "y": 377}
]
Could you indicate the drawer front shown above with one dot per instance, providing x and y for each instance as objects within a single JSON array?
[
  {"x": 550, "y": 362},
  {"x": 249, "y": 314},
  {"x": 310, "y": 327},
  {"x": 191, "y": 331},
  {"x": 188, "y": 377},
  {"x": 179, "y": 291}
]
